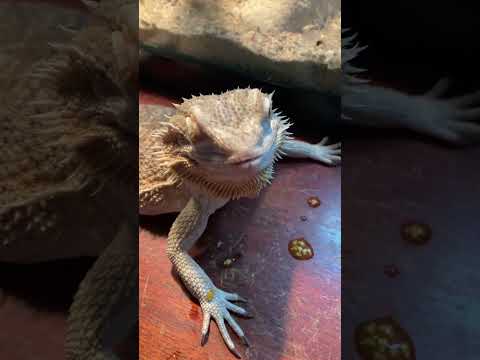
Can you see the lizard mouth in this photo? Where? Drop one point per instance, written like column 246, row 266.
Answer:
column 246, row 161
column 252, row 159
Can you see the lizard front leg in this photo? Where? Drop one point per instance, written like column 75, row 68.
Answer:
column 327, row 154
column 187, row 228
column 105, row 307
column 454, row 120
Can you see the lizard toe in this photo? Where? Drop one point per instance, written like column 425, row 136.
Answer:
column 219, row 307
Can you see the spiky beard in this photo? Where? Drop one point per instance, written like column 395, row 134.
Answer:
column 185, row 172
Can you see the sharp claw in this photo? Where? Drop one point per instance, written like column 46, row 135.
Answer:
column 242, row 299
column 204, row 338
column 245, row 341
column 248, row 316
column 236, row 353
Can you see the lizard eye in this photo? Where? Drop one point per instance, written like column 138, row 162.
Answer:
column 175, row 138
column 181, row 141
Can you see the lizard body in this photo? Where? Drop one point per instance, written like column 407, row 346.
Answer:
column 69, row 148
column 195, row 159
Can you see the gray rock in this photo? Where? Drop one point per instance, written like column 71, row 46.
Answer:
column 290, row 43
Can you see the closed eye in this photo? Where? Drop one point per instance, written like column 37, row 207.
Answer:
column 209, row 157
column 208, row 152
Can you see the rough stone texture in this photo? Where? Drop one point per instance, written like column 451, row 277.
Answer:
column 286, row 42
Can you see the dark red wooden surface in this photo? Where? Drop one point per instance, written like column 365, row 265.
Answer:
column 434, row 296
column 390, row 179
column 34, row 302
column 27, row 333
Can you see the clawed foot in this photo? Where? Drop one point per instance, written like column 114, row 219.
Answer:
column 218, row 305
column 454, row 120
column 327, row 154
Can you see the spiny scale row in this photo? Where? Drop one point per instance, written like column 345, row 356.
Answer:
column 232, row 190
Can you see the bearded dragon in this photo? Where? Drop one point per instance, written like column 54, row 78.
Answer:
column 68, row 170
column 196, row 158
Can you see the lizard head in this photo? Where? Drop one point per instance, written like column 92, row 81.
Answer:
column 232, row 138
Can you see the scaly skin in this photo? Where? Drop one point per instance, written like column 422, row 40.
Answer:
column 211, row 137
column 105, row 307
column 69, row 149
